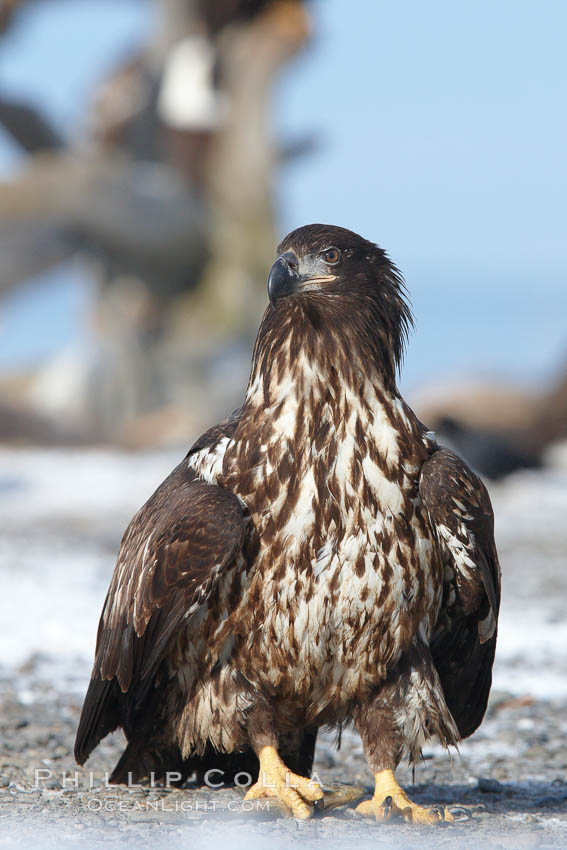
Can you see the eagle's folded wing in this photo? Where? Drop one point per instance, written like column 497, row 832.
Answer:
column 464, row 639
column 171, row 557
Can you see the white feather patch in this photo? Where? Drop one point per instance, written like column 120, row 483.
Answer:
column 324, row 557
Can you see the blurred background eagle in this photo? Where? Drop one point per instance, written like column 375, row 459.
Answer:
column 315, row 559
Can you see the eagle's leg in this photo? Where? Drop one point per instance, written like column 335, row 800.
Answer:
column 298, row 793
column 383, row 743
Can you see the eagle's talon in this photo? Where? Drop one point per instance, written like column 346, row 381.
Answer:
column 298, row 793
column 339, row 795
column 391, row 800
column 460, row 813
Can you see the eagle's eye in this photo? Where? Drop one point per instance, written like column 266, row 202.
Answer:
column 332, row 255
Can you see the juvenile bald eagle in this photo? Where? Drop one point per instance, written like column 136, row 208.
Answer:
column 315, row 559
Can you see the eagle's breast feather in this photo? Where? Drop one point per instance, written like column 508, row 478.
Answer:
column 346, row 570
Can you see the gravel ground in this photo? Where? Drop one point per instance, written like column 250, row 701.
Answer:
column 509, row 780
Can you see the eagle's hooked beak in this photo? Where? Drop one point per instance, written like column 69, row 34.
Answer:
column 286, row 277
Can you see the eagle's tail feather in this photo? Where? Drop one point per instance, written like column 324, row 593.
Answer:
column 464, row 665
column 141, row 758
column 130, row 767
column 139, row 762
column 99, row 717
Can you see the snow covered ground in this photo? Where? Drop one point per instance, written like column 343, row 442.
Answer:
column 63, row 514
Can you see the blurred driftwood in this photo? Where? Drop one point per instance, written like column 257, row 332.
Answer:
column 240, row 175
column 137, row 218
column 499, row 429
column 28, row 128
column 176, row 209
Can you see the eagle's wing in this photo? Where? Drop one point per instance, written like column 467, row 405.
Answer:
column 464, row 639
column 171, row 557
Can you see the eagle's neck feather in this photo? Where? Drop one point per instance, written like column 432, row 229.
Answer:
column 308, row 391
column 310, row 357
column 311, row 340
column 320, row 392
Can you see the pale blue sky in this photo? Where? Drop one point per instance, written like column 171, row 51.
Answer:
column 443, row 132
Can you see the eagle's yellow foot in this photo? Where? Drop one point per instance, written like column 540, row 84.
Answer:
column 276, row 780
column 390, row 799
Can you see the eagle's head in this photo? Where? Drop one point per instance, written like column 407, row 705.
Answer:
column 344, row 288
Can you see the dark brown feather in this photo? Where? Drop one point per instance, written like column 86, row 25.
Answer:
column 464, row 641
column 172, row 553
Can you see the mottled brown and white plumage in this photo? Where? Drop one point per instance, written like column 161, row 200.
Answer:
column 315, row 559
